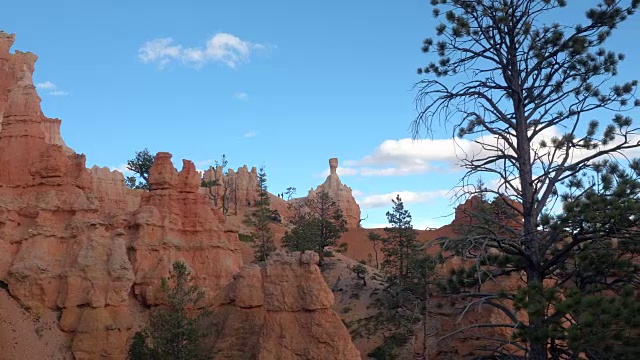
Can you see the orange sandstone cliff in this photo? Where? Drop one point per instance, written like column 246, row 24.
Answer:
column 76, row 245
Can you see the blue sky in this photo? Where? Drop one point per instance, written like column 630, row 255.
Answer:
column 282, row 83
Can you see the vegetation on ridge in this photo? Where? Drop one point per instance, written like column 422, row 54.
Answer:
column 140, row 165
column 318, row 224
column 177, row 330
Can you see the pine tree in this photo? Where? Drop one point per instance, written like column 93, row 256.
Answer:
column 410, row 274
column 505, row 74
column 590, row 287
column 178, row 330
column 400, row 245
column 140, row 165
column 290, row 192
column 260, row 219
column 375, row 240
column 595, row 304
column 361, row 272
column 328, row 220
column 139, row 349
column 317, row 228
column 303, row 237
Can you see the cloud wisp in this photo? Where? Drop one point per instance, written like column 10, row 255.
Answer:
column 249, row 134
column 51, row 89
column 47, row 85
column 408, row 197
column 223, row 48
column 243, row 96
column 58, row 93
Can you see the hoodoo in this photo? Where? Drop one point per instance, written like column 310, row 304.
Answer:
column 341, row 193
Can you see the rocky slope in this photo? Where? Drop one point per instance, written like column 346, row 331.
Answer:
column 77, row 245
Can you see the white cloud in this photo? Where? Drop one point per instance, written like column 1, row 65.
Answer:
column 408, row 197
column 47, row 85
column 58, row 93
column 222, row 48
column 410, row 157
column 241, row 95
column 249, row 134
column 422, row 224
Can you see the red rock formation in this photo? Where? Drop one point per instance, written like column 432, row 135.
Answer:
column 270, row 299
column 341, row 193
column 504, row 208
column 21, row 119
column 77, row 242
column 112, row 193
column 175, row 222
column 242, row 192
column 242, row 185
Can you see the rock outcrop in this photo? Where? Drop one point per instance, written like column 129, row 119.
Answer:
column 241, row 185
column 270, row 299
column 241, row 192
column 341, row 193
column 78, row 243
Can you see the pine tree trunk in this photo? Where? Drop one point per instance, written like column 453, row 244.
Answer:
column 425, row 322
column 530, row 240
column 375, row 250
column 537, row 342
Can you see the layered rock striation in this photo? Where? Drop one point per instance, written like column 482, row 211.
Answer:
column 78, row 243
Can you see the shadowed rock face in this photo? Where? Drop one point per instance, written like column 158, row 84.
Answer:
column 78, row 242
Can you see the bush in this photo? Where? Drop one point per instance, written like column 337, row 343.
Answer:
column 382, row 352
column 275, row 216
column 174, row 332
column 342, row 248
column 245, row 238
column 387, row 350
